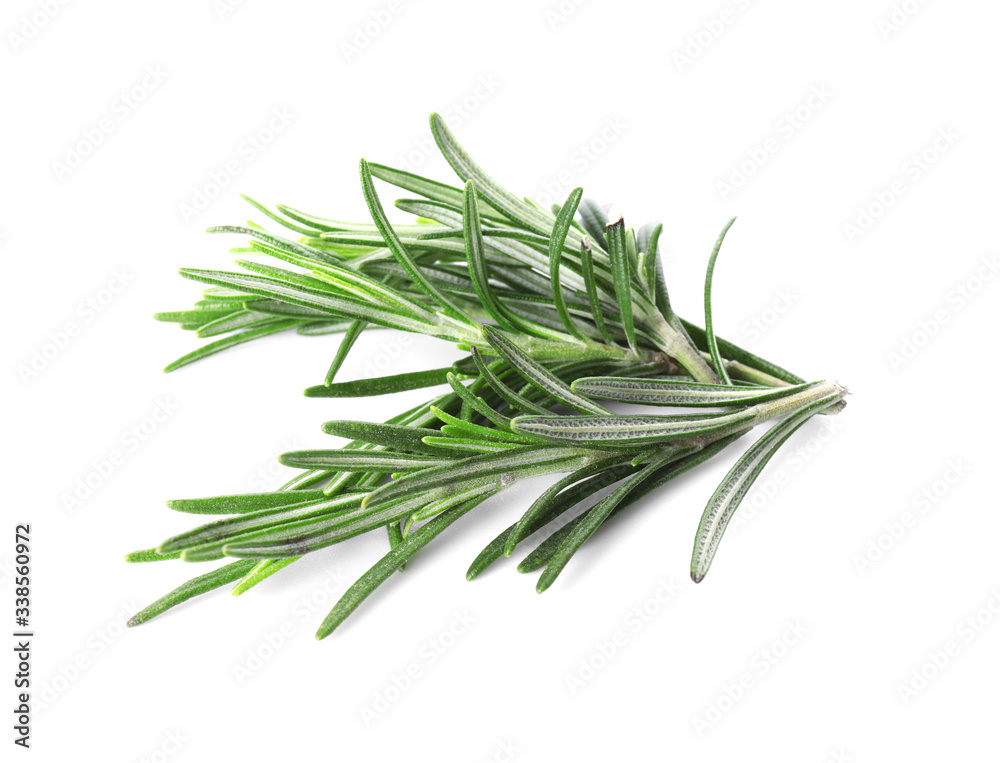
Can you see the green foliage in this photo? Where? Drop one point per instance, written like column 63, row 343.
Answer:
column 556, row 312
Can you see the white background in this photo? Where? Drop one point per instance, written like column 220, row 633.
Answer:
column 694, row 94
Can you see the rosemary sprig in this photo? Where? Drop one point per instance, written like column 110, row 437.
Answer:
column 556, row 312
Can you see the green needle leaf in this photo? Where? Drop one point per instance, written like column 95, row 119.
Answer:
column 509, row 396
column 541, row 504
column 564, row 221
column 632, row 257
column 561, row 503
column 197, row 317
column 713, row 347
column 474, row 252
column 595, row 222
column 389, row 563
column 590, row 283
column 629, row 431
column 735, row 485
column 411, row 492
column 350, row 337
column 431, row 189
column 498, row 196
column 231, row 341
column 150, row 555
column 658, row 472
column 439, row 507
column 399, row 251
column 394, row 436
column 459, row 427
column 479, row 405
column 358, row 460
column 649, row 237
column 307, row 296
column 264, row 569
column 538, row 375
column 283, row 221
column 275, row 242
column 381, row 385
column 736, row 352
column 678, row 393
column 527, row 461
column 621, row 272
column 216, row 533
column 241, row 319
column 547, row 548
column 469, row 444
column 244, row 504
column 194, row 587
column 592, row 519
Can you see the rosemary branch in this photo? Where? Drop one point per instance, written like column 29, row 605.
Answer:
column 557, row 309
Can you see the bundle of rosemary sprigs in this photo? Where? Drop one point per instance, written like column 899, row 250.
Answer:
column 560, row 312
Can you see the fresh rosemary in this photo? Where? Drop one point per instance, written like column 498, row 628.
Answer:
column 562, row 314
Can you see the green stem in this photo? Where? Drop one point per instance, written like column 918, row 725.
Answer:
column 678, row 348
column 748, row 373
column 793, row 403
